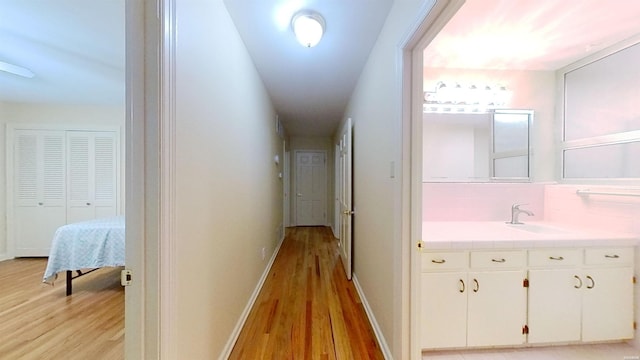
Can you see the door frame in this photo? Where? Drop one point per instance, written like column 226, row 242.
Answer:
column 429, row 25
column 294, row 200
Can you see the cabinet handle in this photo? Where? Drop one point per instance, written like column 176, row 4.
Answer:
column 476, row 286
column 593, row 283
column 614, row 256
column 498, row 260
column 441, row 261
column 579, row 282
column 560, row 258
column 462, row 288
column 88, row 204
column 40, row 203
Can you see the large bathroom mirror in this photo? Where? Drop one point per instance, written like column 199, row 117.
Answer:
column 476, row 147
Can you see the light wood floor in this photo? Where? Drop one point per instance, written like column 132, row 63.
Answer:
column 37, row 321
column 307, row 309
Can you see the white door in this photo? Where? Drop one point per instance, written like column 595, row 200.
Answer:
column 92, row 175
column 311, row 188
column 346, row 199
column 39, row 195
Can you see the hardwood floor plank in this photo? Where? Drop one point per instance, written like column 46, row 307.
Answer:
column 307, row 309
column 38, row 321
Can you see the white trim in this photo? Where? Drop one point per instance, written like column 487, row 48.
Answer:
column 226, row 352
column 384, row 347
column 430, row 21
column 166, row 217
column 5, row 256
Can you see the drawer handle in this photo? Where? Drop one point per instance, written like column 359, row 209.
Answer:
column 593, row 283
column 559, row 258
column 498, row 260
column 462, row 288
column 441, row 261
column 476, row 286
column 614, row 256
column 579, row 282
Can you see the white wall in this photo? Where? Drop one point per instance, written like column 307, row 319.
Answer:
column 228, row 198
column 49, row 114
column 531, row 90
column 375, row 108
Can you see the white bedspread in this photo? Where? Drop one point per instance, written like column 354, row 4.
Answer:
column 86, row 245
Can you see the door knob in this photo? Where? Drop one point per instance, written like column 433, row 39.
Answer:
column 300, row 195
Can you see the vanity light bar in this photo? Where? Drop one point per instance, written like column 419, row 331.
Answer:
column 453, row 97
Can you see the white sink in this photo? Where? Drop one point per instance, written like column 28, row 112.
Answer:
column 536, row 228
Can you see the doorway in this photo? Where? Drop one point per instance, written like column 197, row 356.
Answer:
column 311, row 188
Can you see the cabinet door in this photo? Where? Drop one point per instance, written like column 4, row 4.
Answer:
column 497, row 308
column 555, row 304
column 443, row 318
column 607, row 312
column 38, row 190
column 92, row 175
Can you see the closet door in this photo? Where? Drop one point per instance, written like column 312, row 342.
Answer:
column 92, row 175
column 38, row 191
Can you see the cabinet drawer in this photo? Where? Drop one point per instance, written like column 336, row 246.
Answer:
column 498, row 259
column 606, row 256
column 444, row 260
column 555, row 257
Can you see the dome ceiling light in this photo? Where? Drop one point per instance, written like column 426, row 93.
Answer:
column 308, row 26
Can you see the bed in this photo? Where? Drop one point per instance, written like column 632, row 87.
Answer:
column 85, row 246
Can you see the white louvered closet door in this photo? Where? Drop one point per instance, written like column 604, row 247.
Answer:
column 39, row 190
column 91, row 175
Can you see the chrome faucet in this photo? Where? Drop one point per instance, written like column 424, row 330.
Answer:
column 515, row 211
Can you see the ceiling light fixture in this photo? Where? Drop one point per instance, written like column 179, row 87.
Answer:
column 308, row 27
column 16, row 70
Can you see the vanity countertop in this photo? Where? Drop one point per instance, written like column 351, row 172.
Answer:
column 442, row 235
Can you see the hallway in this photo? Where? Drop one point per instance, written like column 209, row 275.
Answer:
column 307, row 309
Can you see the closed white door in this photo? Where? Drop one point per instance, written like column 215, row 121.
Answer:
column 346, row 199
column 92, row 175
column 311, row 188
column 39, row 190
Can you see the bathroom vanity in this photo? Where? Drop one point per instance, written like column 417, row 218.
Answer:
column 486, row 284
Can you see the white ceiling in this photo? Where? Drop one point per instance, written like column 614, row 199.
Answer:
column 310, row 87
column 531, row 34
column 76, row 47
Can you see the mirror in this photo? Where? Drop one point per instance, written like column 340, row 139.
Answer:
column 476, row 147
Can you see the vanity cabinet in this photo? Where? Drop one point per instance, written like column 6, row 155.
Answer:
column 555, row 295
column 576, row 299
column 473, row 298
column 607, row 304
column 506, row 298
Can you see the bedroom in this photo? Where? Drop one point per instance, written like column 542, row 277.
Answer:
column 75, row 88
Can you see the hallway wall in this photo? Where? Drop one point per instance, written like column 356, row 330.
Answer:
column 228, row 197
column 375, row 108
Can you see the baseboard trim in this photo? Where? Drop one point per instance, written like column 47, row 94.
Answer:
column 386, row 352
column 245, row 313
column 4, row 257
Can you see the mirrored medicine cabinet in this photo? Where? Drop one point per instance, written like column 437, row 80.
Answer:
column 477, row 147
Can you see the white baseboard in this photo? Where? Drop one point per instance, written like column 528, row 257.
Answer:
column 245, row 314
column 384, row 347
column 5, row 256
